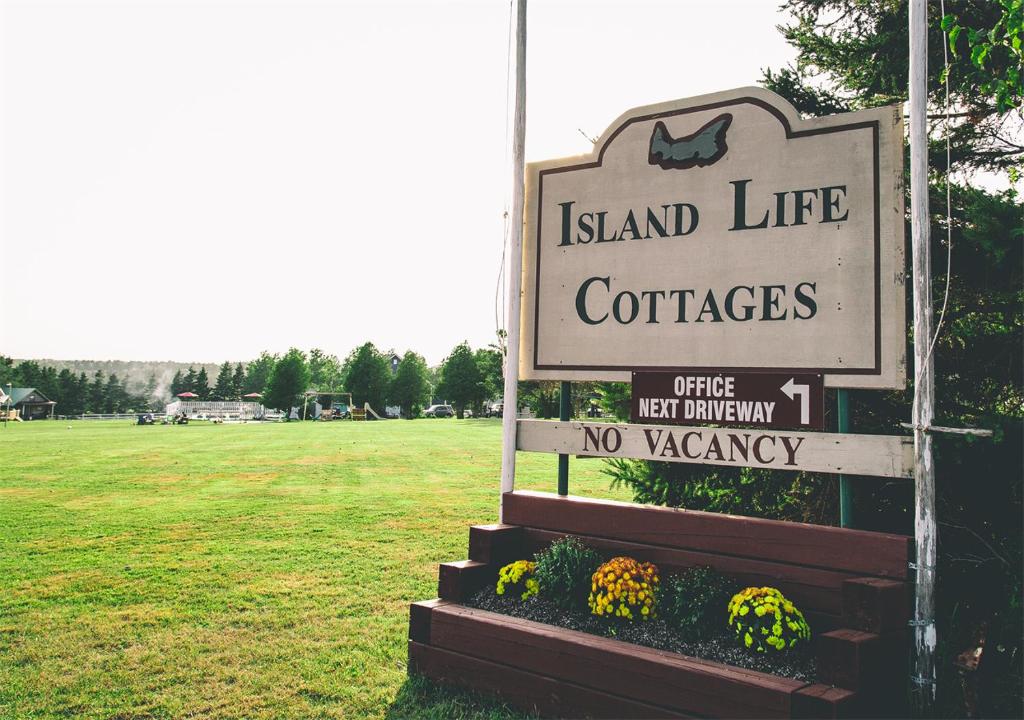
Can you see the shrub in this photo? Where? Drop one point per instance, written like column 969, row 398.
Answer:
column 624, row 588
column 692, row 601
column 764, row 619
column 564, row 572
column 738, row 491
column 517, row 577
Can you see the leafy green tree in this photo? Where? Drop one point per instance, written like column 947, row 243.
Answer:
column 367, row 376
column 409, row 385
column 433, row 382
column 540, row 395
column 257, row 373
column 324, row 370
column 995, row 51
column 202, row 384
column 461, row 380
column 222, row 389
column 490, row 360
column 288, row 380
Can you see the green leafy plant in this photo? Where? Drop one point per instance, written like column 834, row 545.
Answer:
column 624, row 588
column 996, row 52
column 517, row 577
column 692, row 601
column 564, row 571
column 763, row 619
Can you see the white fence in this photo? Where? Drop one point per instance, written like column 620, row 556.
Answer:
column 111, row 416
column 225, row 409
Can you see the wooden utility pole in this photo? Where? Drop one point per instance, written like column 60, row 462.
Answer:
column 515, row 264
column 923, row 666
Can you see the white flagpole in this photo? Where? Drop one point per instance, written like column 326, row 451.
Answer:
column 515, row 266
column 923, row 667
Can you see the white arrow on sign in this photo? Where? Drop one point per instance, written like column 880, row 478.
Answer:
column 804, row 391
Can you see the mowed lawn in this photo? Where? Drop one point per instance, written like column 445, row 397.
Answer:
column 257, row 571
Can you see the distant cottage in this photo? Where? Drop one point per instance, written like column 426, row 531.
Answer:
column 29, row 404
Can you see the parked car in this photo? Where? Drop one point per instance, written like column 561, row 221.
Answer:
column 439, row 411
column 493, row 409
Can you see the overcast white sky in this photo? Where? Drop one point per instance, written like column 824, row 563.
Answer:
column 200, row 181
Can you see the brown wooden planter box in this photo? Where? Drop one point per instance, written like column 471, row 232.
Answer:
column 852, row 586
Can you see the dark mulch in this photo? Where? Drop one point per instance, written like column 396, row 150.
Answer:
column 797, row 664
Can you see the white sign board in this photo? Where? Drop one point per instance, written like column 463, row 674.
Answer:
column 875, row 455
column 720, row 233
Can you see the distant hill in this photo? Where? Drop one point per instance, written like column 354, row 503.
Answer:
column 135, row 373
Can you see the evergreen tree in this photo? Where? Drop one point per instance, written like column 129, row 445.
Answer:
column 113, row 395
column 409, row 385
column 222, row 388
column 202, row 384
column 67, row 397
column 238, row 382
column 461, row 380
column 188, row 383
column 149, row 391
column 177, row 384
column 82, row 393
column 367, row 377
column 30, row 374
column 288, row 380
column 96, row 393
column 9, row 375
column 47, row 382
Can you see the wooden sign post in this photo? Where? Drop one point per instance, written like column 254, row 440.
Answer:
column 510, row 407
column 925, row 641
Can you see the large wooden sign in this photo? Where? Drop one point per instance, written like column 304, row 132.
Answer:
column 720, row 233
column 877, row 455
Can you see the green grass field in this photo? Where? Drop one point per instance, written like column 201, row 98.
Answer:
column 257, row 571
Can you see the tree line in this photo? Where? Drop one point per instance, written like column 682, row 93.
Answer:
column 76, row 393
column 466, row 379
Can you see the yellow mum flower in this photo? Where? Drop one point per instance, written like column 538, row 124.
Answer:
column 775, row 623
